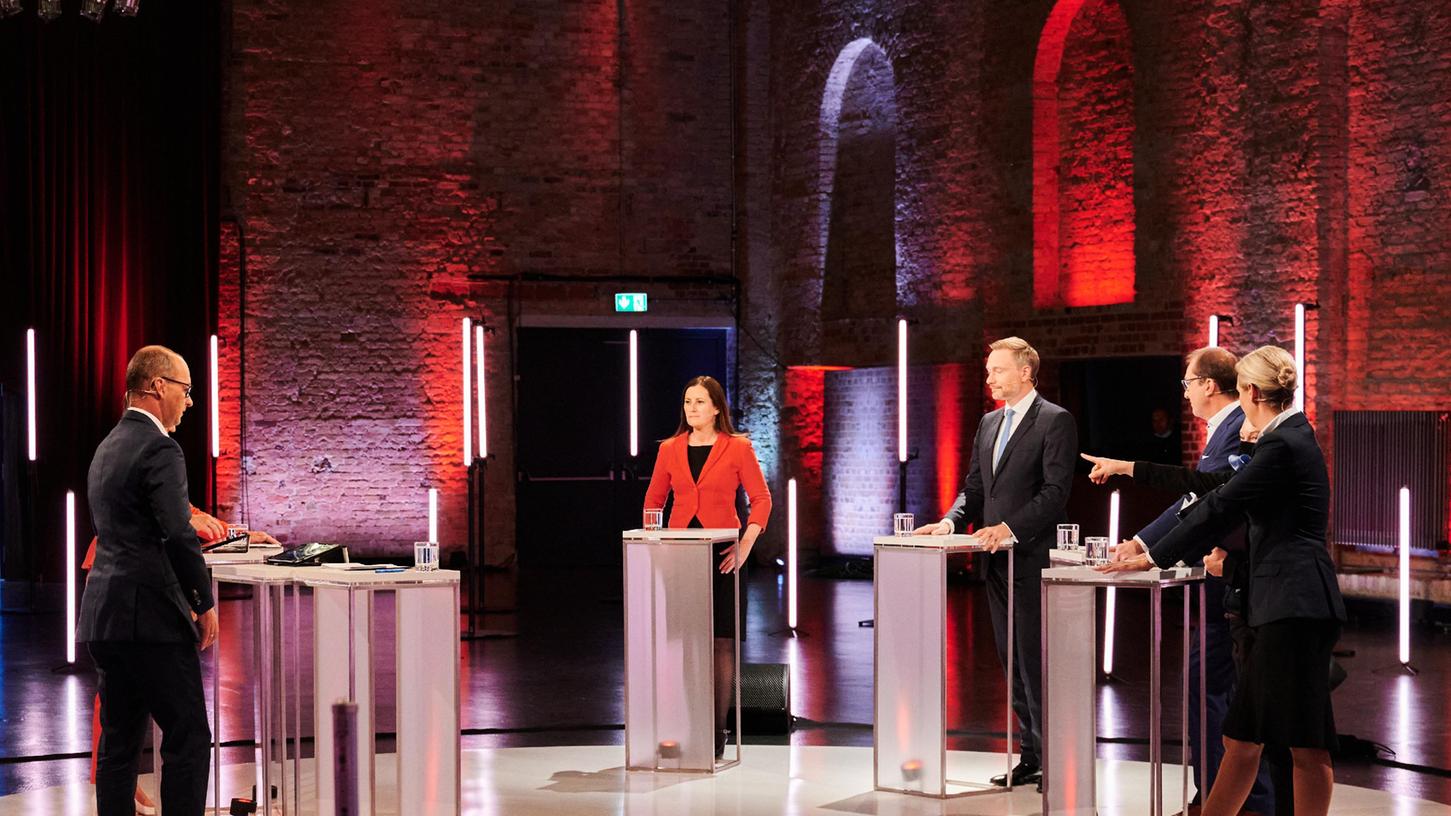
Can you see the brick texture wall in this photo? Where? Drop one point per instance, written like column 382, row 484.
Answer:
column 397, row 166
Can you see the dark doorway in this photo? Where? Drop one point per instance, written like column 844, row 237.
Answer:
column 1114, row 401
column 578, row 485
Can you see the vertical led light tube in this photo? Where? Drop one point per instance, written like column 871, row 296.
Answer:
column 1405, row 577
column 30, row 389
column 634, row 393
column 1213, row 331
column 791, row 553
column 433, row 514
column 901, row 390
column 483, row 415
column 1109, row 599
column 468, row 395
column 70, row 576
column 216, row 411
column 1300, row 356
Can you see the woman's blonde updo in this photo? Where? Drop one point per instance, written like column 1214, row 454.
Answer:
column 1271, row 369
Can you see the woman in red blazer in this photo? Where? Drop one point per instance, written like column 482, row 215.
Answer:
column 703, row 466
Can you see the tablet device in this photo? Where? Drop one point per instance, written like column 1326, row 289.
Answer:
column 237, row 543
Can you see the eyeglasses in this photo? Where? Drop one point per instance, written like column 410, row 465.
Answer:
column 1185, row 383
column 185, row 385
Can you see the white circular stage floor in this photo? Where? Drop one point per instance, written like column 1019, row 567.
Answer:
column 772, row 779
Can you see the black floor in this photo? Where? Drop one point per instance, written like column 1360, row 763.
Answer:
column 559, row 679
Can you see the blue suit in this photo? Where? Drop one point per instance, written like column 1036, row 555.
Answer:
column 1218, row 643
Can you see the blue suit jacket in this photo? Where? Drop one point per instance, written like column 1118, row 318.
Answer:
column 1223, row 444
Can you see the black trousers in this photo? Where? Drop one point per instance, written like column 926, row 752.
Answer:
column 1027, row 647
column 160, row 681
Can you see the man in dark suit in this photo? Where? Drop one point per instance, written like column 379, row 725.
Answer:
column 1016, row 492
column 1210, row 387
column 148, row 581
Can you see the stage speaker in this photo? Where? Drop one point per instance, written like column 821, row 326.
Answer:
column 765, row 699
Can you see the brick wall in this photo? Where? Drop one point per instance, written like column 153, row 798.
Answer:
column 400, row 165
column 394, row 164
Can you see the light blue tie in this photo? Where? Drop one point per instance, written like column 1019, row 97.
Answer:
column 1003, row 443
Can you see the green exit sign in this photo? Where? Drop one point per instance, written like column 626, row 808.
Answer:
column 631, row 302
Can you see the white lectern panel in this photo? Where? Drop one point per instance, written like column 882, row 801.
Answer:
column 1069, row 749
column 669, row 669
column 428, row 740
column 910, row 640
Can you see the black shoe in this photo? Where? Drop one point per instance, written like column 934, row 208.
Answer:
column 1023, row 773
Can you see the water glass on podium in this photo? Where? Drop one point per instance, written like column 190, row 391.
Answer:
column 1068, row 537
column 1097, row 550
column 903, row 524
column 654, row 518
column 425, row 556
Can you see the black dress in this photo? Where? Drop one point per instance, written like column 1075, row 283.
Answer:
column 722, row 589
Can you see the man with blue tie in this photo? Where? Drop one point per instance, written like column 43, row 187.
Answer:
column 1210, row 385
column 1016, row 491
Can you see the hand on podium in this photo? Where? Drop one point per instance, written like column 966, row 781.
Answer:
column 943, row 527
column 994, row 537
column 1126, row 549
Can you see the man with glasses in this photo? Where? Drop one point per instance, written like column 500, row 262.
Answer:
column 148, row 580
column 1211, row 387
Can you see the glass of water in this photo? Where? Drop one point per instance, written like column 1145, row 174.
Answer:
column 654, row 518
column 903, row 524
column 425, row 555
column 1097, row 550
column 1068, row 537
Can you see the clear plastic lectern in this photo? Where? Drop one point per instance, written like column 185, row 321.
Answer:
column 670, row 650
column 909, row 738
column 1070, row 673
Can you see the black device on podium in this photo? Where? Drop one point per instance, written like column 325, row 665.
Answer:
column 310, row 555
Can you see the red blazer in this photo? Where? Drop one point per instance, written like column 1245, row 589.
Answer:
column 732, row 464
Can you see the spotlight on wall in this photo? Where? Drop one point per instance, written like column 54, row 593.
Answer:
column 9, row 8
column 47, row 10
column 127, row 8
column 93, row 10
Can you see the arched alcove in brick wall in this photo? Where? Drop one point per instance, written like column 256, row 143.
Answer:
column 858, row 178
column 1083, row 157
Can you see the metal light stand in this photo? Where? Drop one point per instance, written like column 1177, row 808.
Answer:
column 474, row 554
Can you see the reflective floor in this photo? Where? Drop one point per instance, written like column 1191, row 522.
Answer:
column 589, row 781
column 558, row 680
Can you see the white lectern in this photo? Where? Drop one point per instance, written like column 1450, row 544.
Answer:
column 909, row 738
column 670, row 651
column 426, row 604
column 271, row 666
column 1070, row 599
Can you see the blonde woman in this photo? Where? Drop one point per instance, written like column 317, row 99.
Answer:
column 1294, row 607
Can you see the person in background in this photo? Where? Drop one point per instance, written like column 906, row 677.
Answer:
column 703, row 466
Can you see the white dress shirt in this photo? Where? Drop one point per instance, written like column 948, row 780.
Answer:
column 1005, row 431
column 151, row 417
